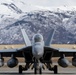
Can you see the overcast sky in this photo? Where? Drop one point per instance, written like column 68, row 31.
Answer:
column 48, row 3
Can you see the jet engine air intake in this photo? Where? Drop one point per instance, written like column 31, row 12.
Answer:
column 63, row 62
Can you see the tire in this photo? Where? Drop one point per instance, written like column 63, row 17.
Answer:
column 35, row 71
column 55, row 69
column 20, row 69
column 40, row 70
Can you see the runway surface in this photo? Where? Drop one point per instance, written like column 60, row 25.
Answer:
column 61, row 71
column 71, row 70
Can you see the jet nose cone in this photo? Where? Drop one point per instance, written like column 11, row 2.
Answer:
column 37, row 52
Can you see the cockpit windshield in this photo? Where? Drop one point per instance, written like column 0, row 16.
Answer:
column 38, row 38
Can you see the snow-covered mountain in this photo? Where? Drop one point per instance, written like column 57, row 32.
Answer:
column 17, row 13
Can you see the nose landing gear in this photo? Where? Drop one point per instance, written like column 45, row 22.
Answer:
column 37, row 70
column 37, row 67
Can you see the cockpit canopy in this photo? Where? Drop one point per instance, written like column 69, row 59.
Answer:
column 38, row 38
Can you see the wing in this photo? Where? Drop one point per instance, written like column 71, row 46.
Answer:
column 66, row 50
column 26, row 39
column 9, row 52
column 17, row 52
column 55, row 52
column 25, row 52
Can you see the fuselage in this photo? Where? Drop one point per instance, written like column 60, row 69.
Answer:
column 38, row 46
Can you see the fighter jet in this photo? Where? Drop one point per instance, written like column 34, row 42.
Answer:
column 37, row 54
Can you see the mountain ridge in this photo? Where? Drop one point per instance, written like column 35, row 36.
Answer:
column 36, row 20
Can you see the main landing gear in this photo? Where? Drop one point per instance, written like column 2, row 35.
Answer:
column 49, row 67
column 23, row 68
column 55, row 69
column 38, row 67
column 20, row 69
column 38, row 70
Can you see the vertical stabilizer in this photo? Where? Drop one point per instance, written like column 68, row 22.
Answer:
column 50, row 38
column 26, row 39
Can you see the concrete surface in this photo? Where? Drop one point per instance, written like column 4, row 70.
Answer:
column 71, row 46
column 14, row 71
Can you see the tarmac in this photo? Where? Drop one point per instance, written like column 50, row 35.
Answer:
column 61, row 71
column 5, row 70
column 14, row 71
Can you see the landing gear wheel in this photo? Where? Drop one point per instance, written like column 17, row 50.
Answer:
column 20, row 69
column 35, row 70
column 40, row 71
column 55, row 69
